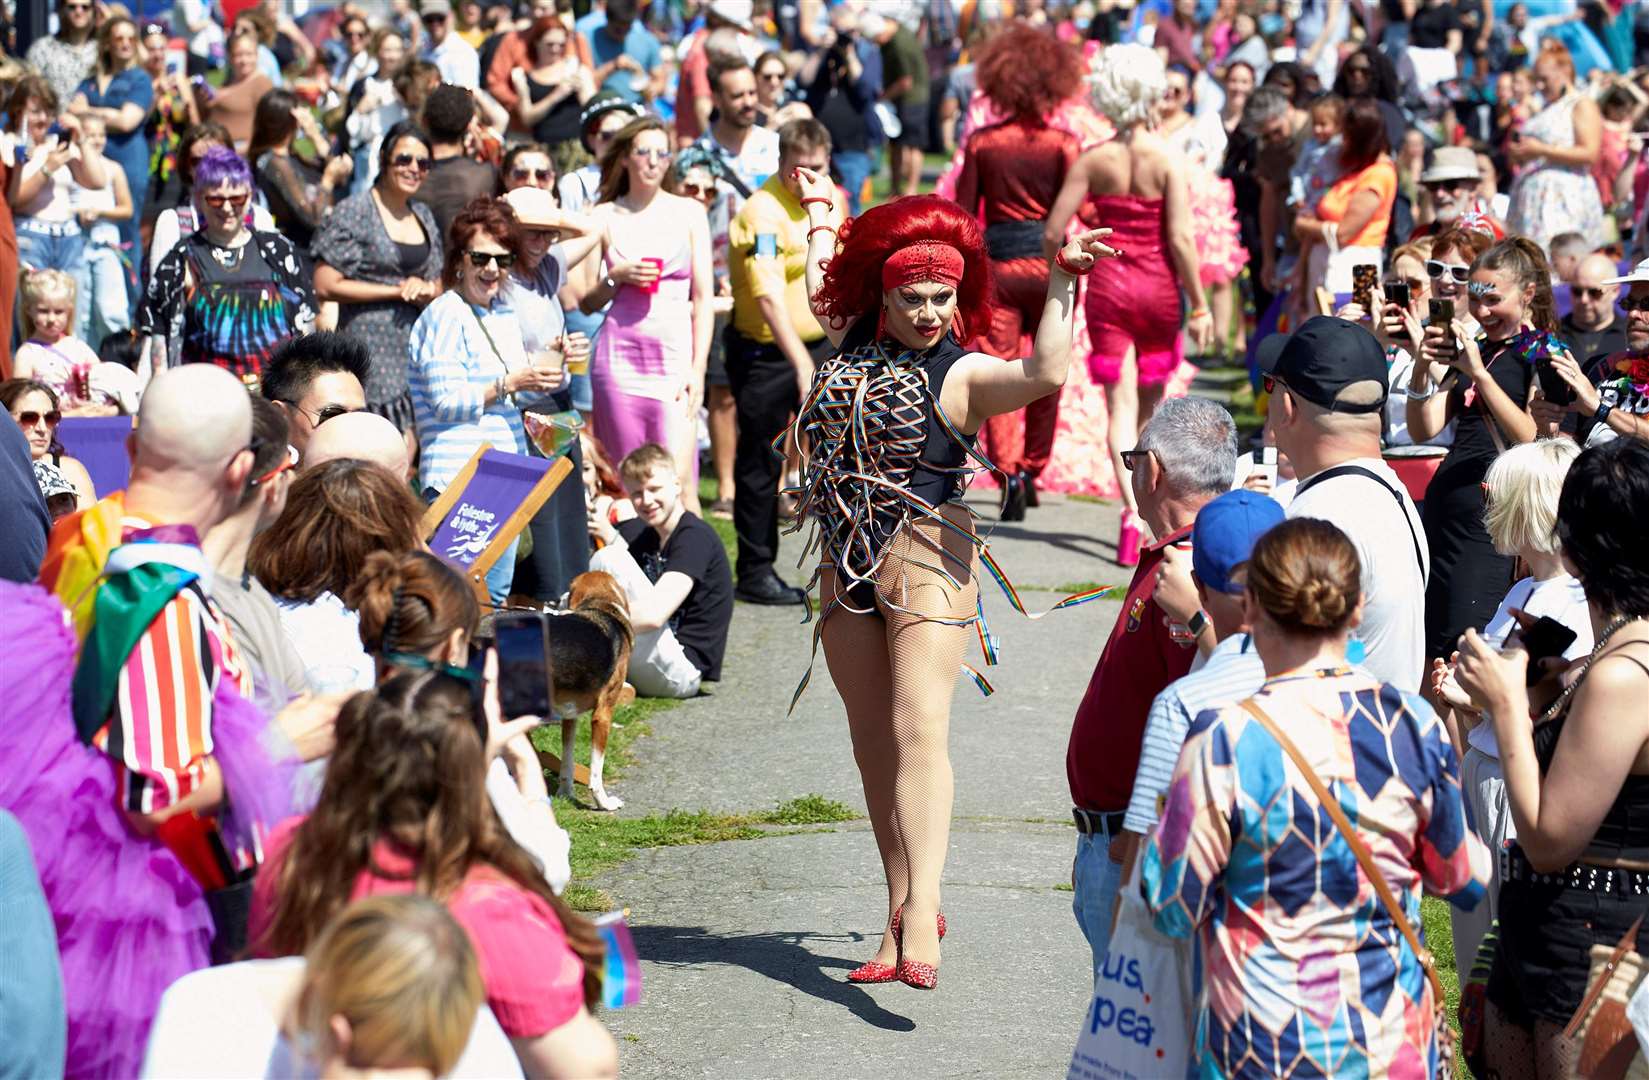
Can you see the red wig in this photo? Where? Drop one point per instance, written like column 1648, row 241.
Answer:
column 1027, row 72
column 852, row 285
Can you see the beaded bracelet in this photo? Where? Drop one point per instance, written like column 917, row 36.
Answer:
column 1059, row 261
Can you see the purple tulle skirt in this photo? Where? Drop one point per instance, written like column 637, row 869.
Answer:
column 130, row 919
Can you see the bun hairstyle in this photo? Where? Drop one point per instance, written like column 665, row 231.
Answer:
column 411, row 602
column 1523, row 259
column 1126, row 84
column 1555, row 52
column 1306, row 575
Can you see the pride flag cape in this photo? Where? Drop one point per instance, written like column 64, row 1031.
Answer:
column 113, row 591
column 621, row 977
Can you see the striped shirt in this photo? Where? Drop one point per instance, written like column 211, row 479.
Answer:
column 451, row 366
column 1233, row 673
column 160, row 730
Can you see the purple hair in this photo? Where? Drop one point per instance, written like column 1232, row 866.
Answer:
column 220, row 166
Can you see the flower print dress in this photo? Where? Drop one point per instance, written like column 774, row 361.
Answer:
column 1549, row 199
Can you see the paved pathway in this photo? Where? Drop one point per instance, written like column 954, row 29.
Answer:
column 745, row 944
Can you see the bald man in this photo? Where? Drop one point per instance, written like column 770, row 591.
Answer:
column 362, row 436
column 1594, row 325
column 191, row 461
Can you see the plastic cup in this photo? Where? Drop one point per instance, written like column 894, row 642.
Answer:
column 658, row 266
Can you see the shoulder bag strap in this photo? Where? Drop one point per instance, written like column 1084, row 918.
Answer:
column 482, row 323
column 1358, row 470
column 1600, row 981
column 1365, row 858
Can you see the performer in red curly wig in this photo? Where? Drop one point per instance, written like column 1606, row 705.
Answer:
column 1011, row 173
column 889, row 425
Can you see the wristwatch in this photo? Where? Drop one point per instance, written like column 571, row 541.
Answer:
column 1603, row 411
column 1197, row 623
column 610, row 283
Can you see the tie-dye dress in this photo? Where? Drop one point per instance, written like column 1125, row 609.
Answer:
column 1301, row 972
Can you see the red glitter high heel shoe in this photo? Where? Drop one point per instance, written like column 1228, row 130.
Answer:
column 872, row 972
column 899, row 912
column 918, row 975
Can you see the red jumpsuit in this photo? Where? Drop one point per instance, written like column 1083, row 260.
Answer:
column 1011, row 174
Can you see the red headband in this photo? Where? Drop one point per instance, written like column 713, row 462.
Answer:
column 925, row 260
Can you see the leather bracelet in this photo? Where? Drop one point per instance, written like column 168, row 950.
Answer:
column 1059, row 261
column 831, row 229
column 809, row 199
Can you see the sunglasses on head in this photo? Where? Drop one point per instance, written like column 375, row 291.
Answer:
column 536, row 175
column 31, row 417
column 410, row 161
column 479, row 259
column 233, row 202
column 287, row 464
column 1459, row 271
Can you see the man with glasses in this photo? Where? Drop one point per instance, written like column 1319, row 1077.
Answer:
column 1327, row 386
column 1452, row 181
column 1611, row 394
column 1186, row 458
column 456, row 58
column 313, row 379
column 1592, row 328
column 455, row 178
column 748, row 154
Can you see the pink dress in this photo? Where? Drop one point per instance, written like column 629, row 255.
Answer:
column 643, row 355
column 1137, row 301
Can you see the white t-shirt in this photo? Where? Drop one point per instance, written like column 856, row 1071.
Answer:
column 1562, row 599
column 225, row 1021
column 1385, row 530
column 327, row 637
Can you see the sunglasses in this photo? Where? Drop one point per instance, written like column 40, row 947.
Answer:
column 321, row 415
column 1131, row 456
column 354, row 33
column 552, row 236
column 1271, row 383
column 431, row 19
column 410, row 161
column 288, row 464
column 1459, row 271
column 1451, row 185
column 1589, row 292
column 1639, row 303
column 650, row 155
column 30, row 418
column 77, row 7
column 479, row 259
column 697, row 191
column 233, row 202
column 610, row 133
column 536, row 175
column 773, row 76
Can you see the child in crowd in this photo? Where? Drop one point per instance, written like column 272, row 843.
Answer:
column 1316, row 169
column 52, row 355
column 675, row 573
column 104, row 305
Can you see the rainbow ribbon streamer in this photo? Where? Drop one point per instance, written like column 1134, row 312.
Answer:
column 621, row 977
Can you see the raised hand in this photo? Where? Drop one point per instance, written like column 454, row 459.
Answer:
column 1084, row 250
column 815, row 185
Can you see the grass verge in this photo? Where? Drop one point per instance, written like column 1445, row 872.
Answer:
column 1439, row 938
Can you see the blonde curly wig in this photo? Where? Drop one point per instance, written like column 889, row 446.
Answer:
column 1126, row 84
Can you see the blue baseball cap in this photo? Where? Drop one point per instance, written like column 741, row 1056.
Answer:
column 1225, row 532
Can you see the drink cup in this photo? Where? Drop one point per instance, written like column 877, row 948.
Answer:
column 658, row 266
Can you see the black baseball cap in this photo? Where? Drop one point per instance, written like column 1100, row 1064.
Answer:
column 1322, row 359
column 600, row 105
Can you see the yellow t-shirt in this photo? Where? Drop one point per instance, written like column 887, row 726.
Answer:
column 767, row 256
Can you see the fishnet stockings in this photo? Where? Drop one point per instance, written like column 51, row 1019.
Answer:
column 897, row 673
column 1516, row 1053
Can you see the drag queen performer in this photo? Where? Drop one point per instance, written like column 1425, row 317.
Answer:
column 1135, row 186
column 1011, row 172
column 890, row 423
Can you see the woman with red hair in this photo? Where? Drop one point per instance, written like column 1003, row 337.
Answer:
column 1012, row 171
column 890, row 424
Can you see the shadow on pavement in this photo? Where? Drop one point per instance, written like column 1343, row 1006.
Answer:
column 782, row 957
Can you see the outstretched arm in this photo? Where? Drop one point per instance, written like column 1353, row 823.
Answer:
column 986, row 386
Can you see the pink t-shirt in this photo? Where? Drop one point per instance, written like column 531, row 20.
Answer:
column 534, row 980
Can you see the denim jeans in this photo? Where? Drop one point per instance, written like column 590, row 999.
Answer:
column 1098, row 881
column 854, row 167
column 51, row 245
column 102, row 306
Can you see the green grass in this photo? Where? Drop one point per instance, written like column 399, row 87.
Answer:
column 723, row 527
column 810, row 810
column 1439, row 938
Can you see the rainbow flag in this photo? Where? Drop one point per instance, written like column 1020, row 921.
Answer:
column 621, row 977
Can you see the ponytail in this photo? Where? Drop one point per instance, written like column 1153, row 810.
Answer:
column 1526, row 262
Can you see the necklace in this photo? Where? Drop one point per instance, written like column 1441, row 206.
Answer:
column 227, row 257
column 1597, row 650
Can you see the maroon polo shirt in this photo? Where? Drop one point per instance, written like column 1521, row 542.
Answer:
column 1139, row 661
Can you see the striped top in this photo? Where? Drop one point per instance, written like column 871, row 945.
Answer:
column 1233, row 673
column 159, row 732
column 450, row 366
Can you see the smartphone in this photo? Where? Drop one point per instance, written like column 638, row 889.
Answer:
column 525, row 686
column 1363, row 280
column 1545, row 639
column 1397, row 292
column 1265, row 464
column 1439, row 312
column 1552, row 386
column 56, row 131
